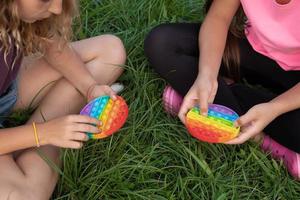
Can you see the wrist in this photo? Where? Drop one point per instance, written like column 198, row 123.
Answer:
column 84, row 86
column 89, row 94
column 42, row 135
column 206, row 71
column 276, row 108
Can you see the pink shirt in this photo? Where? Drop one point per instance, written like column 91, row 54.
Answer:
column 274, row 30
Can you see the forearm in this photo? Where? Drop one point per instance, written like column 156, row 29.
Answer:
column 18, row 138
column 212, row 40
column 288, row 101
column 213, row 35
column 70, row 65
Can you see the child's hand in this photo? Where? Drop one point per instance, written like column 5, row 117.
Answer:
column 202, row 92
column 254, row 121
column 100, row 90
column 68, row 131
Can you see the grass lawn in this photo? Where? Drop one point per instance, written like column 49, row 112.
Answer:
column 153, row 157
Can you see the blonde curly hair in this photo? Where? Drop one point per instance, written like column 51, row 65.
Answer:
column 30, row 38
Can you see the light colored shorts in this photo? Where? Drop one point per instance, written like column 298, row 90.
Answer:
column 7, row 101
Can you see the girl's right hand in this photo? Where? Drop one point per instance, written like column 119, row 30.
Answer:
column 68, row 131
column 202, row 93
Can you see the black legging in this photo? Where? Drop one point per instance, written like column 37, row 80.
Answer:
column 172, row 50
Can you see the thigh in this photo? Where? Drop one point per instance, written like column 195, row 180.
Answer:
column 259, row 69
column 104, row 56
column 29, row 173
column 37, row 77
column 180, row 38
column 9, row 168
column 106, row 47
column 285, row 130
column 172, row 50
column 248, row 96
column 10, row 175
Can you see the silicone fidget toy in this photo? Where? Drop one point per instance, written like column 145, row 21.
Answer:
column 112, row 114
column 217, row 127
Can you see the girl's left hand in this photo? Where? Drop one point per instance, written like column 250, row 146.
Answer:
column 100, row 90
column 254, row 121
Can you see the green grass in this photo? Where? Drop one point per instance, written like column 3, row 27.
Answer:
column 153, row 157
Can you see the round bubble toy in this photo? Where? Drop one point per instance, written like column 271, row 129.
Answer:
column 112, row 114
column 216, row 127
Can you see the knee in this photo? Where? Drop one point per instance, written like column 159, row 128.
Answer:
column 157, row 40
column 159, row 47
column 114, row 49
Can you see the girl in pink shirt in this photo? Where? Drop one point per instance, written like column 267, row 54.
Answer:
column 253, row 40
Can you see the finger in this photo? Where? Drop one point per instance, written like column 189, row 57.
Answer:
column 244, row 136
column 187, row 104
column 86, row 128
column 245, row 119
column 80, row 137
column 110, row 92
column 203, row 103
column 86, row 120
column 240, row 139
column 74, row 145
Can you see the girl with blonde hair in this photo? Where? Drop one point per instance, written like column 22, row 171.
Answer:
column 38, row 62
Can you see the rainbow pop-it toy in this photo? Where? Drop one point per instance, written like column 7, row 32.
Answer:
column 112, row 114
column 216, row 127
